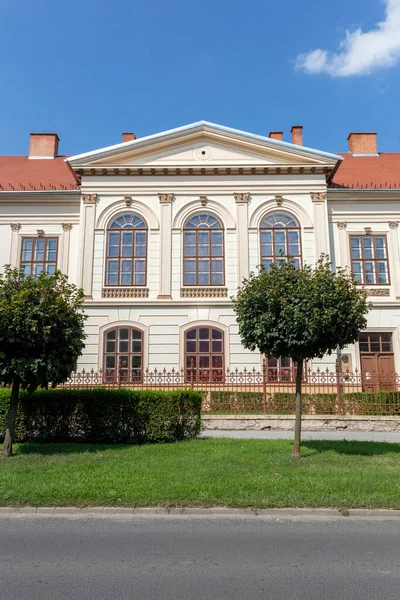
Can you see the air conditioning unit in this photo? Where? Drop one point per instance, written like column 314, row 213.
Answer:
column 346, row 362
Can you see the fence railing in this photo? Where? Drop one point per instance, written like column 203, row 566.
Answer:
column 252, row 391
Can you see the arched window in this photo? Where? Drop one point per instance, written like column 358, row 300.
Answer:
column 204, row 354
column 123, row 355
column 126, row 250
column 203, row 250
column 280, row 238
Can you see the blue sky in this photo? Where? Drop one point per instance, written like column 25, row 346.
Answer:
column 91, row 69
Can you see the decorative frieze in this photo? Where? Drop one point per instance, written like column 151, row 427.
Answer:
column 378, row 292
column 165, row 198
column 89, row 198
column 242, row 198
column 204, row 292
column 318, row 196
column 66, row 226
column 341, row 224
column 393, row 224
column 15, row 226
column 125, row 292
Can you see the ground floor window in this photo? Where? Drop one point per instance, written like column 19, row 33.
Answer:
column 123, row 355
column 281, row 369
column 204, row 354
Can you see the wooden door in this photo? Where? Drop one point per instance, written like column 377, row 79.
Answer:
column 370, row 372
column 387, row 377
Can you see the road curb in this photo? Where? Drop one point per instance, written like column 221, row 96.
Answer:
column 277, row 513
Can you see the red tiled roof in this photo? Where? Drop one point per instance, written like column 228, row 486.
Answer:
column 369, row 172
column 19, row 173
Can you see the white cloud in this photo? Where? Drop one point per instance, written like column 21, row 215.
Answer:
column 360, row 52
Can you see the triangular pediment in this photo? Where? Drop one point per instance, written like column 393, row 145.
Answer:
column 202, row 144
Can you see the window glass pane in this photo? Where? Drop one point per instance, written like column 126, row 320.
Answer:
column 126, row 278
column 191, row 334
column 203, row 250
column 294, row 249
column 217, row 278
column 266, row 250
column 216, row 250
column 37, row 269
column 140, row 278
column 266, row 262
column 216, row 346
column 216, row 265
column 140, row 250
column 50, row 268
column 190, row 237
column 190, row 345
column 140, row 265
column 204, row 346
column 216, row 237
column 266, row 237
column 112, row 278
column 191, row 361
column 217, row 361
column 203, row 237
column 204, row 333
column 203, row 279
column 112, row 265
column 126, row 250
column 126, row 265
column 113, row 250
column 136, row 362
column 189, row 279
column 204, row 362
column 137, row 346
column 110, row 346
column 204, row 265
column 216, row 334
column 26, row 269
column 386, row 337
column 110, row 362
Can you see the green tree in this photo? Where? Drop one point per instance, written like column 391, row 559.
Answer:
column 301, row 313
column 41, row 335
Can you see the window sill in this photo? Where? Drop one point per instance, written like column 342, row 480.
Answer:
column 204, row 292
column 125, row 292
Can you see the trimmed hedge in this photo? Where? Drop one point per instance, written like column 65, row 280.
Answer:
column 100, row 415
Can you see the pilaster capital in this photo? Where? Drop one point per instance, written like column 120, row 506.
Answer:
column 242, row 198
column 318, row 196
column 15, row 226
column 89, row 198
column 341, row 224
column 393, row 224
column 66, row 226
column 165, row 198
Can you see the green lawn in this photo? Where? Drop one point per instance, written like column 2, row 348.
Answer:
column 203, row 472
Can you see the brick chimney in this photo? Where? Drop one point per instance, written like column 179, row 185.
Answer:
column 276, row 135
column 297, row 135
column 128, row 137
column 362, row 143
column 43, row 145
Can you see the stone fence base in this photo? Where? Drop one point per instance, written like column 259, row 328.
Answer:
column 309, row 423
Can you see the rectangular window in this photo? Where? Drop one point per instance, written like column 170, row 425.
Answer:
column 39, row 255
column 369, row 259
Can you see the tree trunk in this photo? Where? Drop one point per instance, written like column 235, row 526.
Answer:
column 297, row 425
column 12, row 414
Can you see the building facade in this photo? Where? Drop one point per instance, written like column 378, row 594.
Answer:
column 160, row 232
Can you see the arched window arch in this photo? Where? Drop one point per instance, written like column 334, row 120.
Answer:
column 204, row 354
column 123, row 354
column 203, row 250
column 126, row 250
column 280, row 238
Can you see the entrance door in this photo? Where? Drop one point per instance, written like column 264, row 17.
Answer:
column 377, row 362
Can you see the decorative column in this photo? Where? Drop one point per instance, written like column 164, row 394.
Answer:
column 242, row 236
column 394, row 256
column 64, row 249
column 320, row 223
column 87, row 242
column 165, row 246
column 15, row 227
column 342, row 258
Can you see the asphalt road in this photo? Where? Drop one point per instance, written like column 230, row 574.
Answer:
column 186, row 558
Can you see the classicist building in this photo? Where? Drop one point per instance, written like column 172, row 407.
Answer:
column 160, row 231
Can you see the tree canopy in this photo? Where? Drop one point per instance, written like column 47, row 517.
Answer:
column 302, row 313
column 41, row 334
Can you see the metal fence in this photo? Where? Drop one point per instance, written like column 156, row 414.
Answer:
column 251, row 391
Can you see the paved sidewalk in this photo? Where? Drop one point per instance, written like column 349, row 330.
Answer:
column 361, row 436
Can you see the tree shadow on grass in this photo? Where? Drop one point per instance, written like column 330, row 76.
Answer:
column 64, row 448
column 352, row 447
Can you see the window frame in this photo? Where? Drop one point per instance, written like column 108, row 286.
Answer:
column 368, row 335
column 117, row 379
column 32, row 262
column 273, row 229
column 196, row 257
column 120, row 257
column 197, row 354
column 362, row 236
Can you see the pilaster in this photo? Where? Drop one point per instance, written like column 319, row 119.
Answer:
column 320, row 214
column 15, row 227
column 64, row 249
column 342, row 256
column 242, row 235
column 87, row 242
column 165, row 245
column 394, row 256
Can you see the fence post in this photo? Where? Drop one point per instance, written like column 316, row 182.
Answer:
column 192, row 373
column 264, row 379
column 338, row 389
